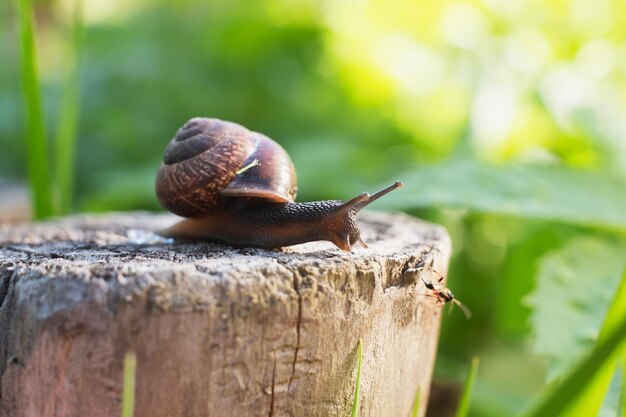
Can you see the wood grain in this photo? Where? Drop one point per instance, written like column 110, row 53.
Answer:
column 217, row 331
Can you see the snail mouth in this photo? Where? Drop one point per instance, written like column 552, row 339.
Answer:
column 345, row 217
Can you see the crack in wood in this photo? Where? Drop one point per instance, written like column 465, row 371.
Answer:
column 7, row 270
column 296, row 286
column 272, row 391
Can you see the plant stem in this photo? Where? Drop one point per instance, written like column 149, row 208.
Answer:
column 36, row 146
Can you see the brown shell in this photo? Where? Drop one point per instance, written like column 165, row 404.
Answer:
column 201, row 163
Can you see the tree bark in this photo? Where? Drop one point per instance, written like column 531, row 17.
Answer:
column 217, row 331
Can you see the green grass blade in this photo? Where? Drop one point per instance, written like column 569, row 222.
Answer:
column 357, row 387
column 36, row 146
column 561, row 395
column 463, row 407
column 128, row 393
column 621, row 407
column 416, row 404
column 68, row 118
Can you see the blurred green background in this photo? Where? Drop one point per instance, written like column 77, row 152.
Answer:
column 505, row 119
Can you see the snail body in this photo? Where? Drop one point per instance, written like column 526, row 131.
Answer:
column 239, row 187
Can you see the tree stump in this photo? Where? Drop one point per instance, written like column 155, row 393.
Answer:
column 217, row 331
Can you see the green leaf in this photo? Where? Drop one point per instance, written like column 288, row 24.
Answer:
column 519, row 269
column 463, row 407
column 591, row 400
column 561, row 394
column 542, row 192
column 574, row 288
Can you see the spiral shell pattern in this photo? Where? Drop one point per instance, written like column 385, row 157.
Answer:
column 200, row 168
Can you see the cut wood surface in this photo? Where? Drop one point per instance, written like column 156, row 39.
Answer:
column 217, row 331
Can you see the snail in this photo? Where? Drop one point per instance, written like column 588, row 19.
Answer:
column 238, row 187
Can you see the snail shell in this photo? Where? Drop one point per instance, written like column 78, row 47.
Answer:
column 201, row 164
column 238, row 187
